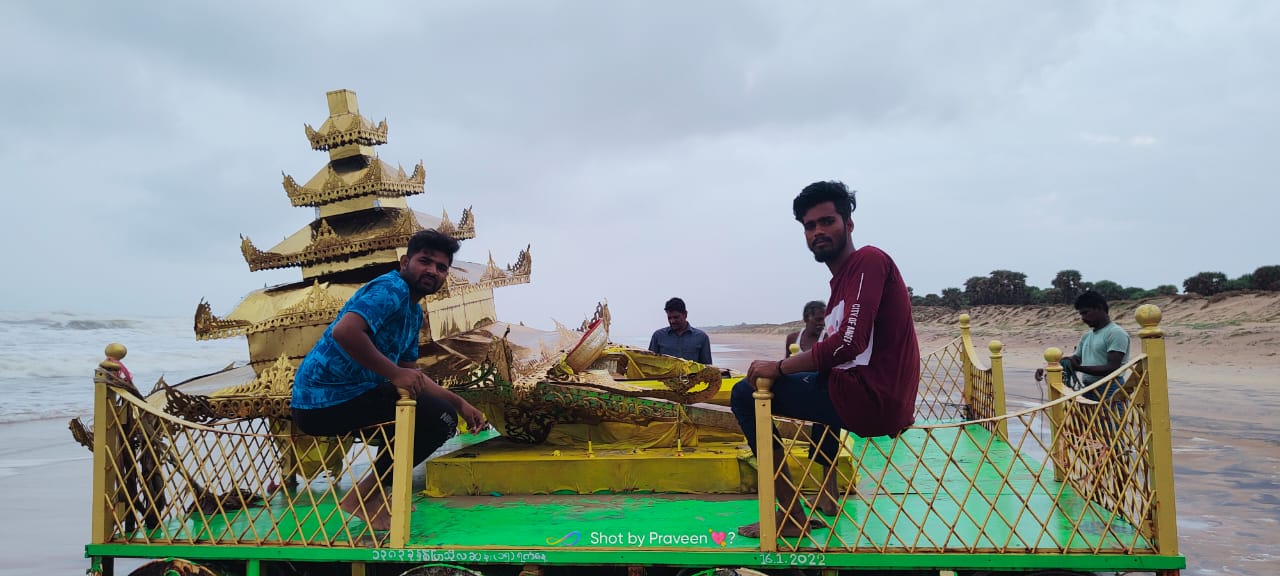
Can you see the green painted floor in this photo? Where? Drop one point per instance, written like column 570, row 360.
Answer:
column 924, row 503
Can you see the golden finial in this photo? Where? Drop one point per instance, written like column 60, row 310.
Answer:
column 964, row 321
column 116, row 351
column 1148, row 317
column 763, row 389
column 1053, row 356
column 995, row 347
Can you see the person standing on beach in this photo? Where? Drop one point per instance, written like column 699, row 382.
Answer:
column 824, row 442
column 679, row 339
column 1102, row 349
column 354, row 375
column 863, row 374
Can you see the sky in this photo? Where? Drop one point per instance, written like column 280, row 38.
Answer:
column 643, row 149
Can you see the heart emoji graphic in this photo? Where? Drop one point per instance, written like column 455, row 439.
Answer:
column 718, row 538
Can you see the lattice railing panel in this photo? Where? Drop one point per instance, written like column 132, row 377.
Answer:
column 1070, row 476
column 171, row 481
column 941, row 393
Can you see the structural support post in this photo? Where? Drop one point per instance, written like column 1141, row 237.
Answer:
column 997, row 387
column 764, row 464
column 1157, row 401
column 967, row 367
column 105, row 446
column 402, row 471
column 1053, row 381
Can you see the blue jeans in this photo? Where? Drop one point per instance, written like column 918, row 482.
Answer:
column 803, row 396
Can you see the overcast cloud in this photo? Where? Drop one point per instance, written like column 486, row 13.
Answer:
column 644, row 149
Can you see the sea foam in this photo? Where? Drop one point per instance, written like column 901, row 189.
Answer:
column 47, row 359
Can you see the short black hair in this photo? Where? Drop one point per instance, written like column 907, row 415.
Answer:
column 431, row 239
column 818, row 305
column 1092, row 299
column 833, row 191
column 675, row 305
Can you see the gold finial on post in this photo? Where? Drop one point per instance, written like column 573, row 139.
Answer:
column 764, row 388
column 996, row 347
column 115, row 352
column 1148, row 317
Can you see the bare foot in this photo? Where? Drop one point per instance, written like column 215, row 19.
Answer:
column 372, row 509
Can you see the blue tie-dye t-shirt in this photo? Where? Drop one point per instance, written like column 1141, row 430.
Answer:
column 329, row 376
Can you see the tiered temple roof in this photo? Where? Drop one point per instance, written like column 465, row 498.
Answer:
column 361, row 228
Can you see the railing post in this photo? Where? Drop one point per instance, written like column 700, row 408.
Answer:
column 103, row 437
column 1157, row 401
column 967, row 367
column 1053, row 381
column 402, row 470
column 106, row 513
column 997, row 387
column 764, row 464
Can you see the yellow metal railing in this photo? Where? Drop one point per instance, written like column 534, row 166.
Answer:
column 957, row 385
column 160, row 479
column 1089, row 472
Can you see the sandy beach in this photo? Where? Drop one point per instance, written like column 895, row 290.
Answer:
column 1223, row 395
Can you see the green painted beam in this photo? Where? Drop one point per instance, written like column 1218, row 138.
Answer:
column 560, row 556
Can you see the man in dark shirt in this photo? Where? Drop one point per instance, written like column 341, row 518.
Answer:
column 862, row 375
column 679, row 339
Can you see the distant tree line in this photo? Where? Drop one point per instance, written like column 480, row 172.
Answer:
column 1009, row 287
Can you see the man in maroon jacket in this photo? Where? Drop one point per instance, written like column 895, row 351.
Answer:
column 863, row 373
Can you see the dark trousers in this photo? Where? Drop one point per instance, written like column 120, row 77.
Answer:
column 802, row 395
column 434, row 422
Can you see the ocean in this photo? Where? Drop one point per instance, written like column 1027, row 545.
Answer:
column 47, row 358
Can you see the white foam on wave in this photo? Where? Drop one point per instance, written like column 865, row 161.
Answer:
column 47, row 359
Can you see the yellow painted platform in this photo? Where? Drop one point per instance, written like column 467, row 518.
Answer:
column 502, row 467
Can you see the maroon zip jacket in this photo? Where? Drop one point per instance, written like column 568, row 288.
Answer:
column 868, row 347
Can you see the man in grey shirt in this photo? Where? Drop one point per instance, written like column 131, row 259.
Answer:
column 679, row 339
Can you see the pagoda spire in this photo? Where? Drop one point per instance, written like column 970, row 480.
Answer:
column 346, row 134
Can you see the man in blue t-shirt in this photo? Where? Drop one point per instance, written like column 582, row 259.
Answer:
column 353, row 376
column 1102, row 350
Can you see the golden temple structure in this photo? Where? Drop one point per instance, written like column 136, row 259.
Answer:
column 361, row 227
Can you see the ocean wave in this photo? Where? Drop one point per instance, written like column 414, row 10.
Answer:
column 66, row 321
column 47, row 359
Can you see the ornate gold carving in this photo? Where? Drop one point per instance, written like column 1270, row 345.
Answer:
column 267, row 395
column 446, row 227
column 210, row 327
column 405, row 225
column 359, row 130
column 323, row 236
column 397, row 236
column 468, row 222
column 275, row 380
column 601, row 314
column 317, row 307
column 372, row 183
column 492, row 271
column 523, row 265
